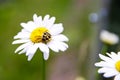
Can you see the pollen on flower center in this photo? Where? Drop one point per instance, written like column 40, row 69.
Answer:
column 40, row 34
column 117, row 65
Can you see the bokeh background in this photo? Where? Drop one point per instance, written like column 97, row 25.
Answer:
column 82, row 20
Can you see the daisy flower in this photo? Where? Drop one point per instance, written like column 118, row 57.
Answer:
column 110, row 66
column 42, row 34
column 108, row 37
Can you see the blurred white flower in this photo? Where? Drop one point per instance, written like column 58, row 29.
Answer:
column 109, row 38
column 80, row 78
column 110, row 65
column 42, row 34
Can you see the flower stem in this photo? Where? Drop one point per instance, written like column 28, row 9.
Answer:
column 43, row 69
column 104, row 48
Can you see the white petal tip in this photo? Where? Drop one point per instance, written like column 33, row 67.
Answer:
column 22, row 24
column 100, row 55
column 29, row 58
column 15, row 52
column 14, row 37
column 67, row 39
column 96, row 64
column 12, row 42
column 47, row 15
column 46, row 56
column 35, row 15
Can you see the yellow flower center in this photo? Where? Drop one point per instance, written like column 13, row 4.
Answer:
column 40, row 34
column 117, row 65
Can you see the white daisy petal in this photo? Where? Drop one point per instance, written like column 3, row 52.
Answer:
column 107, row 69
column 46, row 55
column 114, row 56
column 21, row 47
column 117, row 77
column 102, row 70
column 20, row 41
column 23, row 35
column 107, row 59
column 44, row 48
column 22, row 51
column 104, row 64
column 28, row 45
column 29, row 26
column 56, row 29
column 46, row 18
column 50, row 22
column 46, row 21
column 31, row 51
column 60, row 37
column 56, row 46
column 30, row 56
column 52, row 45
column 26, row 27
column 110, row 74
column 34, row 17
column 37, row 20
column 119, row 53
column 62, row 46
